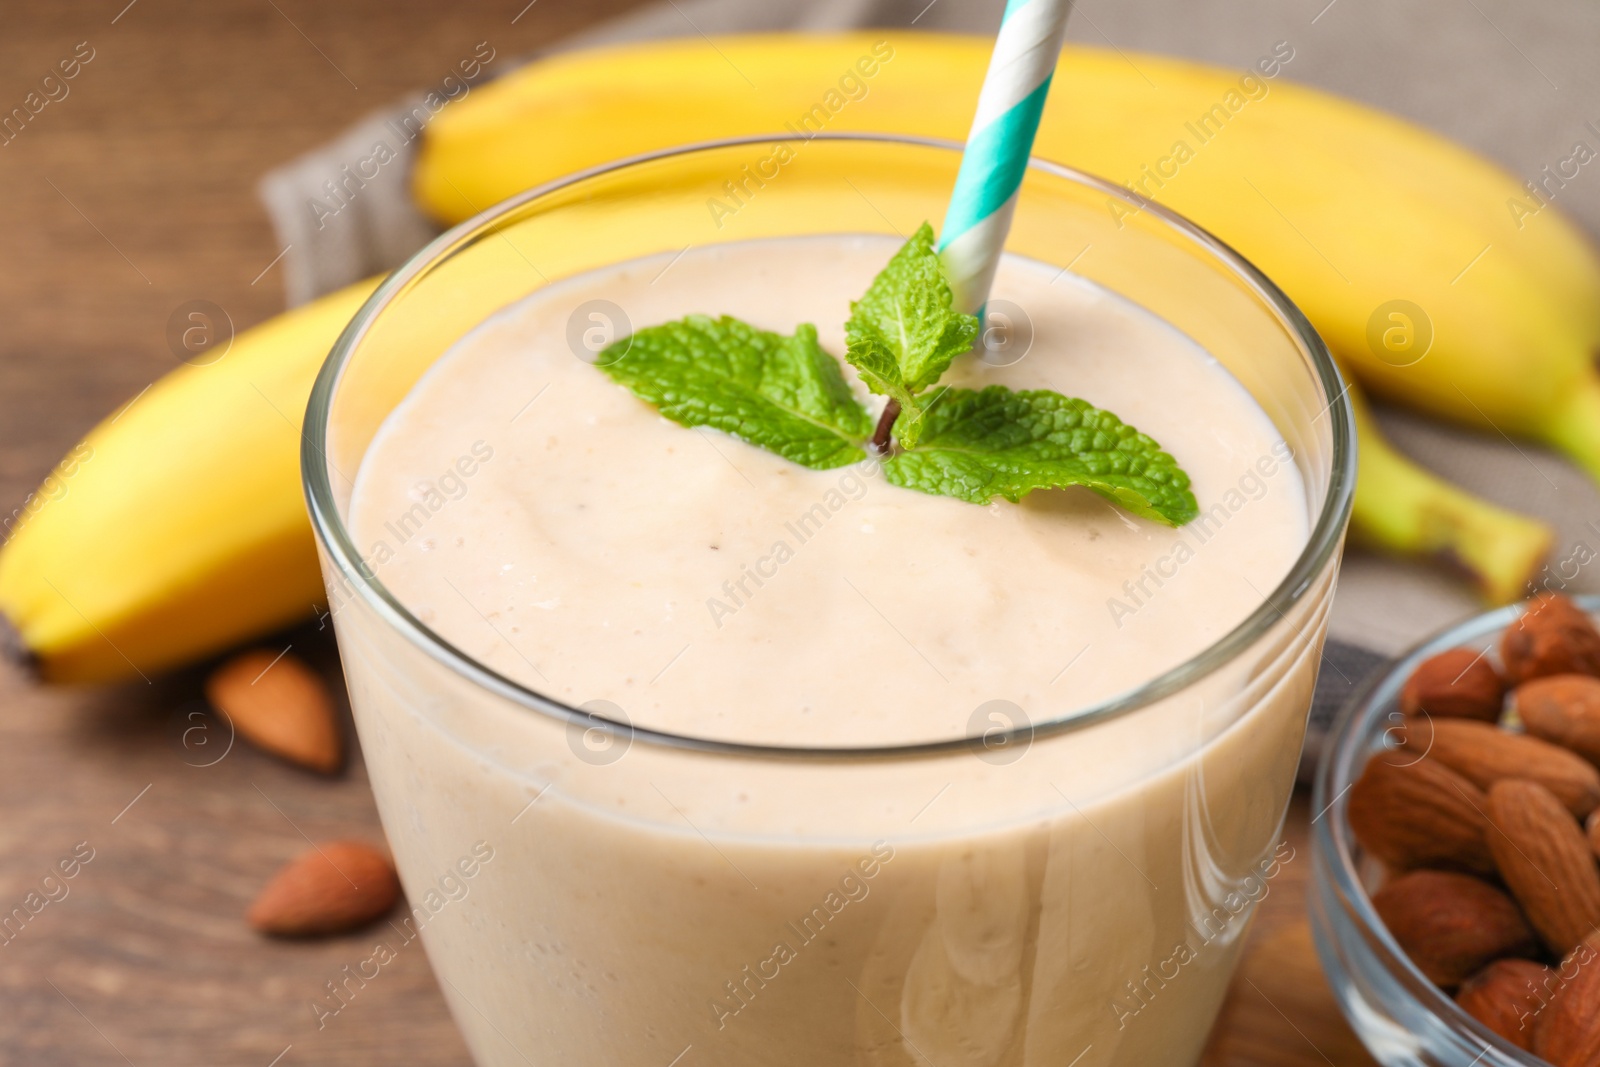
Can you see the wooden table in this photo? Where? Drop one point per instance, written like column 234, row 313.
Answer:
column 129, row 197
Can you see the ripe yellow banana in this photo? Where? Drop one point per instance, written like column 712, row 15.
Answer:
column 180, row 528
column 1428, row 270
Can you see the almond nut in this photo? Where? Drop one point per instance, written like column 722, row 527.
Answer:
column 1553, row 636
column 1545, row 861
column 1452, row 925
column 280, row 705
column 1592, row 831
column 1420, row 814
column 1456, row 684
column 1567, row 1033
column 333, row 887
column 1563, row 709
column 1507, row 996
column 1484, row 754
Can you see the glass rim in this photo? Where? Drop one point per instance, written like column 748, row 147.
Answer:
column 340, row 547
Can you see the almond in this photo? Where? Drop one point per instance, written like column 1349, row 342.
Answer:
column 1507, row 997
column 1545, row 861
column 1553, row 636
column 1563, row 709
column 1452, row 925
column 1420, row 813
column 1457, row 684
column 280, row 705
column 1484, row 754
column 1567, row 1033
column 332, row 887
column 1592, row 831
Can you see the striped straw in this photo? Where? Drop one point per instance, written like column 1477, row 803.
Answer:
column 1009, row 106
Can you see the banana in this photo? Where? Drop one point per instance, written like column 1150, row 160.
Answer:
column 1349, row 210
column 177, row 527
column 1406, row 511
column 181, row 528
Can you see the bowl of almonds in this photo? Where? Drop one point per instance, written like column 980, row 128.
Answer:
column 1456, row 903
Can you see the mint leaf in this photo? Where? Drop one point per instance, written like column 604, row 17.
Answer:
column 977, row 445
column 904, row 332
column 784, row 394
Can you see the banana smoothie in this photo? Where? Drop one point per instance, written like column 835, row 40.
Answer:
column 688, row 889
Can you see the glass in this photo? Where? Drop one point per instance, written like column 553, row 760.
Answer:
column 1404, row 1019
column 1070, row 891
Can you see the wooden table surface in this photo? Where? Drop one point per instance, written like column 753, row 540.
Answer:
column 132, row 195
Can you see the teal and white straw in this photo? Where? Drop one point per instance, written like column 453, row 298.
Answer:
column 1009, row 106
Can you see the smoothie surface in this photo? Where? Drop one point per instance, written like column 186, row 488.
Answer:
column 548, row 523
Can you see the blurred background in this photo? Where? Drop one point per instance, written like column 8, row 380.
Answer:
column 135, row 193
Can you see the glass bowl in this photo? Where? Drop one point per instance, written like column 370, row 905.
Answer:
column 1402, row 1018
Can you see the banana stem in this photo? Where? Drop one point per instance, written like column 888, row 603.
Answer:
column 1408, row 511
column 1574, row 426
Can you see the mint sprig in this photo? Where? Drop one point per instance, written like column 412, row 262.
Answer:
column 787, row 395
column 904, row 333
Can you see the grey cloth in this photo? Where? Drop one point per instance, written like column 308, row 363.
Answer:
column 1516, row 83
column 1344, row 668
column 341, row 213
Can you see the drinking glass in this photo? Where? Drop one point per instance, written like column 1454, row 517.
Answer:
column 1062, row 886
